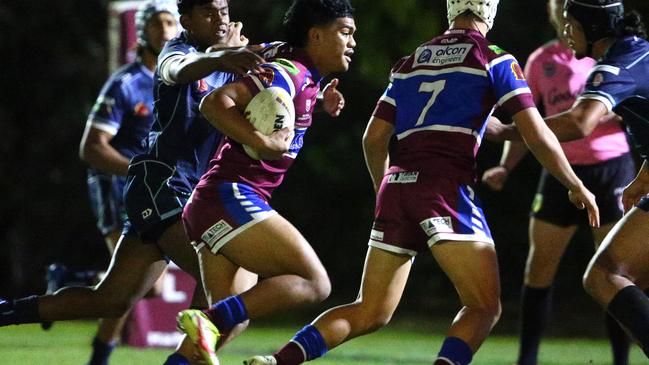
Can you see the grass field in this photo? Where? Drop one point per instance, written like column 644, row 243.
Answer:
column 68, row 344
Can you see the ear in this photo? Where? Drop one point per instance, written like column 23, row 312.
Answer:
column 315, row 35
column 185, row 22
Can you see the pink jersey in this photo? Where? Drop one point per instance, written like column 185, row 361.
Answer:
column 288, row 68
column 556, row 77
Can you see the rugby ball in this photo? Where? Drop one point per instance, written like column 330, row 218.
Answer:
column 270, row 110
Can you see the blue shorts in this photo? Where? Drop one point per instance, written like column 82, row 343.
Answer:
column 107, row 200
column 151, row 204
column 606, row 180
column 415, row 211
column 217, row 213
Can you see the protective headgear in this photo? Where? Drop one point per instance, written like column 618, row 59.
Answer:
column 599, row 18
column 483, row 9
column 144, row 14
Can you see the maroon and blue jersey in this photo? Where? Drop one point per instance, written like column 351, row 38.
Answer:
column 440, row 98
column 621, row 81
column 124, row 109
column 181, row 137
column 292, row 70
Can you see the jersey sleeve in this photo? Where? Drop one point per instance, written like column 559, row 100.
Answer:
column 274, row 74
column 609, row 84
column 509, row 85
column 170, row 56
column 109, row 109
column 386, row 107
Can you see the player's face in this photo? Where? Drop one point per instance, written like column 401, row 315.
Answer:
column 574, row 34
column 208, row 23
column 160, row 29
column 336, row 45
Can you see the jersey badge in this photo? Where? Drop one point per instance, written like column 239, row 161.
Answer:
column 202, row 86
column 141, row 110
column 517, row 71
column 598, row 79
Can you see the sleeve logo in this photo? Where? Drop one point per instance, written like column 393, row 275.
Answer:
column 517, row 71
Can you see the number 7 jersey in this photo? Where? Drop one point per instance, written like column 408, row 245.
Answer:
column 440, row 98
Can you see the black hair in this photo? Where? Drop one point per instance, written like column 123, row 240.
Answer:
column 632, row 25
column 305, row 14
column 186, row 6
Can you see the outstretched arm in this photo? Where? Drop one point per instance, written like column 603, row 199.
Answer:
column 545, row 147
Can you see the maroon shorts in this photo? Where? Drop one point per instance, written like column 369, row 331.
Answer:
column 414, row 211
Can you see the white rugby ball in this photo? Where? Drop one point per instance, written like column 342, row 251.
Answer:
column 270, row 110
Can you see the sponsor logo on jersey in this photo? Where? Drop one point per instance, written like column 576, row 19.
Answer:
column 449, row 40
column 437, row 225
column 497, row 50
column 297, row 142
column 407, row 177
column 146, row 213
column 201, row 86
column 141, row 110
column 517, row 71
column 214, row 233
column 598, row 79
column 436, row 55
column 376, row 235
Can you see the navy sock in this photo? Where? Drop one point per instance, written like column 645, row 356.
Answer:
column 176, row 359
column 19, row 311
column 620, row 342
column 228, row 313
column 455, row 352
column 308, row 344
column 536, row 308
column 100, row 352
column 630, row 307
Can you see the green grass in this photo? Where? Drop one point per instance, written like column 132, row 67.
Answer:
column 69, row 343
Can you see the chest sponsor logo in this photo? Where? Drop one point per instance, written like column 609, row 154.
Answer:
column 441, row 55
column 141, row 110
column 407, row 177
column 437, row 225
column 217, row 231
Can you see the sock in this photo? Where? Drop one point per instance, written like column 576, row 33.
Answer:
column 228, row 313
column 19, row 311
column 454, row 351
column 620, row 342
column 536, row 307
column 630, row 307
column 100, row 352
column 176, row 359
column 308, row 344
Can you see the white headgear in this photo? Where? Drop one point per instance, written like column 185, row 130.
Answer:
column 483, row 9
column 146, row 11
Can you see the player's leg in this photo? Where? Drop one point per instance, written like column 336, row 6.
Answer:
column 472, row 267
column 384, row 277
column 548, row 242
column 618, row 272
column 620, row 341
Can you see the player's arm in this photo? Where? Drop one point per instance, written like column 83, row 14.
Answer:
column 513, row 153
column 546, row 148
column 376, row 141
column 224, row 107
column 637, row 189
column 96, row 150
column 579, row 121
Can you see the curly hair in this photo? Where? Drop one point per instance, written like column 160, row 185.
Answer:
column 305, row 14
column 632, row 25
column 186, row 6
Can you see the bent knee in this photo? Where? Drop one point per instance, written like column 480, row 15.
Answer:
column 320, row 287
column 489, row 310
column 370, row 318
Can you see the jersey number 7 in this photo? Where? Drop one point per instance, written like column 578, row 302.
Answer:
column 435, row 88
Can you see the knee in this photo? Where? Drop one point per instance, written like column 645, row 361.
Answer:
column 320, row 287
column 490, row 310
column 372, row 318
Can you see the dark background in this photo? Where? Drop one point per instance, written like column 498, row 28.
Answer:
column 53, row 63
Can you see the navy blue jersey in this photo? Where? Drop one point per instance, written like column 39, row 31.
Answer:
column 124, row 109
column 181, row 136
column 621, row 81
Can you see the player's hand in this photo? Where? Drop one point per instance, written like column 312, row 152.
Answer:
column 635, row 191
column 276, row 144
column 235, row 38
column 583, row 198
column 239, row 61
column 333, row 101
column 495, row 177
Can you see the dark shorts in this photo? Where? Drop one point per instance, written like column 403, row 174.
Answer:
column 151, row 204
column 107, row 200
column 414, row 211
column 215, row 214
column 606, row 180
